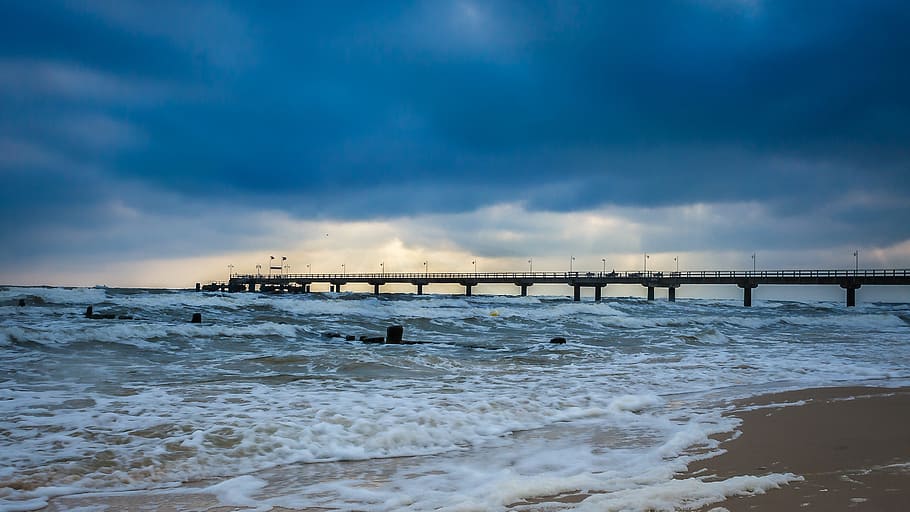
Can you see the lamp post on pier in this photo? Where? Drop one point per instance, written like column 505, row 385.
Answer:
column 676, row 260
column 475, row 266
column 571, row 261
column 646, row 258
column 382, row 268
column 855, row 262
column 426, row 268
column 604, row 260
column 308, row 271
column 753, row 262
column 530, row 265
column 258, row 269
column 343, row 270
column 230, row 271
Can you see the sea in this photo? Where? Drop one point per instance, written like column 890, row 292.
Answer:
column 267, row 405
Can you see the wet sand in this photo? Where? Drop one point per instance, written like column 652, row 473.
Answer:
column 851, row 445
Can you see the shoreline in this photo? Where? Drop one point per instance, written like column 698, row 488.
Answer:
column 851, row 446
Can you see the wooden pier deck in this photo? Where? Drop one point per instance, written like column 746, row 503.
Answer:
column 849, row 280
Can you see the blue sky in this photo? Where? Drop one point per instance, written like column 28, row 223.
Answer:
column 156, row 143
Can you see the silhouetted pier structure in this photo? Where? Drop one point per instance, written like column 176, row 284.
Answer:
column 849, row 280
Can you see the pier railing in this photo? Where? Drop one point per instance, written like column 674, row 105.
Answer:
column 629, row 274
column 849, row 280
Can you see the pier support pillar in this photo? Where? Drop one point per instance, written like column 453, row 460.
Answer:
column 851, row 293
column 198, row 287
column 467, row 290
column 419, row 289
column 650, row 293
column 375, row 289
column 747, row 293
column 524, row 290
column 577, row 296
column 597, row 292
column 671, row 294
column 338, row 288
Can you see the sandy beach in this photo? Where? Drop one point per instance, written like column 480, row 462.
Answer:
column 851, row 445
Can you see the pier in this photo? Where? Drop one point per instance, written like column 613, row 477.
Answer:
column 849, row 280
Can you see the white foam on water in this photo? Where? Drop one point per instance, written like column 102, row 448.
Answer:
column 634, row 403
column 443, row 308
column 24, row 505
column 238, row 491
column 690, row 493
column 532, row 465
column 58, row 295
column 212, row 435
column 15, row 500
column 137, row 333
column 773, row 405
column 489, row 415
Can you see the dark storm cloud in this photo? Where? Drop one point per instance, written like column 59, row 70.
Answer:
column 359, row 110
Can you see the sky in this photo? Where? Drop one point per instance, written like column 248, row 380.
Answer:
column 156, row 143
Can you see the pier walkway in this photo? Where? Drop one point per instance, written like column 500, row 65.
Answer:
column 849, row 280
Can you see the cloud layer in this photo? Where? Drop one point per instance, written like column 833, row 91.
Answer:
column 168, row 131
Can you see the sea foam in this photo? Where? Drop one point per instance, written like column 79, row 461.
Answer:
column 256, row 407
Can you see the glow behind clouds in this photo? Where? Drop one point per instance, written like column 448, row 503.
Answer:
column 503, row 238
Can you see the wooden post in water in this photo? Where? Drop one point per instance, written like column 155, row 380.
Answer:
column 394, row 333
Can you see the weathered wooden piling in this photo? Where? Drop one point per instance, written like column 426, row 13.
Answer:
column 394, row 333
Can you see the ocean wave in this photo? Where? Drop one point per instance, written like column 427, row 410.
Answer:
column 485, row 411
